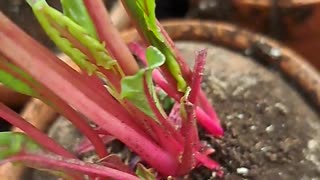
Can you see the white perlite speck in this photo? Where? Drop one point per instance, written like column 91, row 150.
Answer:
column 242, row 171
column 240, row 116
column 270, row 128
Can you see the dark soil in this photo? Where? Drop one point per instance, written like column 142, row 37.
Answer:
column 270, row 131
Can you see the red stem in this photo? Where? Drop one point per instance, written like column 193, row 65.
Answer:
column 185, row 70
column 197, row 75
column 190, row 132
column 212, row 123
column 163, row 84
column 83, row 127
column 168, row 134
column 86, row 145
column 37, row 135
column 209, row 163
column 73, row 165
column 168, row 76
column 109, row 34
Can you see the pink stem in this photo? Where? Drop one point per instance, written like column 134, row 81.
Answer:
column 187, row 74
column 211, row 125
column 174, row 116
column 109, row 34
column 70, row 165
column 209, row 163
column 86, row 146
column 197, row 75
column 162, row 83
column 205, row 104
column 38, row 136
column 101, row 131
column 166, row 137
column 185, row 70
column 83, row 127
column 191, row 142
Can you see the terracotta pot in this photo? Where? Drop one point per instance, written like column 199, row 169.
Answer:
column 295, row 22
column 283, row 59
column 282, row 3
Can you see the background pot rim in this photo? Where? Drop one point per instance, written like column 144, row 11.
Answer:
column 282, row 3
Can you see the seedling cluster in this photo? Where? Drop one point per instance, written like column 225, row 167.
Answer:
column 107, row 89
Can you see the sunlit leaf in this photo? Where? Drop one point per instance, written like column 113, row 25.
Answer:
column 145, row 174
column 143, row 12
column 72, row 39
column 9, row 76
column 12, row 143
column 76, row 11
column 133, row 88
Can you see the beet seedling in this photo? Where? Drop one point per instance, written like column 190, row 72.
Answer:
column 109, row 89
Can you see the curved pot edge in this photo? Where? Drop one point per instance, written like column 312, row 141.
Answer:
column 283, row 4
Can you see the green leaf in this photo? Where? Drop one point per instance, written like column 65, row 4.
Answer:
column 13, row 82
column 76, row 11
column 144, row 13
column 68, row 36
column 12, row 143
column 133, row 88
column 145, row 174
column 166, row 101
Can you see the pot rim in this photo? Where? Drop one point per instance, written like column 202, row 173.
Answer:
column 282, row 3
column 295, row 68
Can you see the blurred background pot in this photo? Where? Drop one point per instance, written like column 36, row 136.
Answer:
column 294, row 22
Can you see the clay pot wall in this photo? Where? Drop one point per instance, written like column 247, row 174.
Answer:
column 294, row 22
